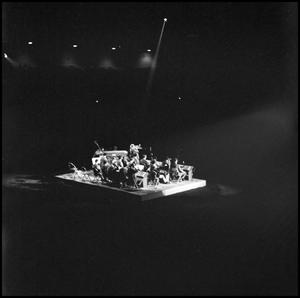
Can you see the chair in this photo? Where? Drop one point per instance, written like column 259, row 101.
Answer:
column 140, row 179
column 181, row 176
column 177, row 175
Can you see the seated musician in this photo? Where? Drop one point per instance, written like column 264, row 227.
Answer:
column 117, row 171
column 151, row 156
column 119, row 162
column 136, row 159
column 123, row 177
column 164, row 173
column 132, row 170
column 145, row 162
column 153, row 171
column 167, row 164
column 176, row 171
column 103, row 160
column 106, row 171
column 125, row 160
column 112, row 170
column 97, row 170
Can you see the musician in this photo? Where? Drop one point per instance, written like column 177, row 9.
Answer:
column 167, row 165
column 119, row 162
column 106, row 171
column 131, row 171
column 145, row 162
column 153, row 170
column 151, row 156
column 114, row 173
column 154, row 164
column 135, row 159
column 97, row 170
column 164, row 172
column 103, row 160
column 134, row 150
column 114, row 160
column 176, row 171
column 123, row 176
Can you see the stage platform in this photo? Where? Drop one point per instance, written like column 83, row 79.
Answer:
column 142, row 194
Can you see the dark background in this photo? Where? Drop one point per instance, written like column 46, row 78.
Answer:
column 221, row 59
column 235, row 67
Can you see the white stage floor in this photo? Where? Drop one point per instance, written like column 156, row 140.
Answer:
column 143, row 194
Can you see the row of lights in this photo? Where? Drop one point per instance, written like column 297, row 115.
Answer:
column 76, row 46
column 113, row 48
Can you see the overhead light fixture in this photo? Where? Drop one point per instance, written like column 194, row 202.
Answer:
column 5, row 55
column 165, row 19
column 148, row 50
column 29, row 42
column 113, row 48
column 75, row 46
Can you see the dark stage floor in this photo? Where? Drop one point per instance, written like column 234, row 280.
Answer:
column 237, row 236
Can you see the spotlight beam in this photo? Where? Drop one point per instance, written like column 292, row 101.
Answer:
column 154, row 63
column 11, row 61
column 152, row 70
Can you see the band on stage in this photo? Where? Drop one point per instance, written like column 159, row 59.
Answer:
column 124, row 169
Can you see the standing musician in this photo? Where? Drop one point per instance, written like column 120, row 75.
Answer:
column 134, row 150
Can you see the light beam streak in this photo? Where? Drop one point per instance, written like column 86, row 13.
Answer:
column 144, row 104
column 154, row 63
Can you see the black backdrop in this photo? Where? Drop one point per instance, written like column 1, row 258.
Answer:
column 222, row 60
